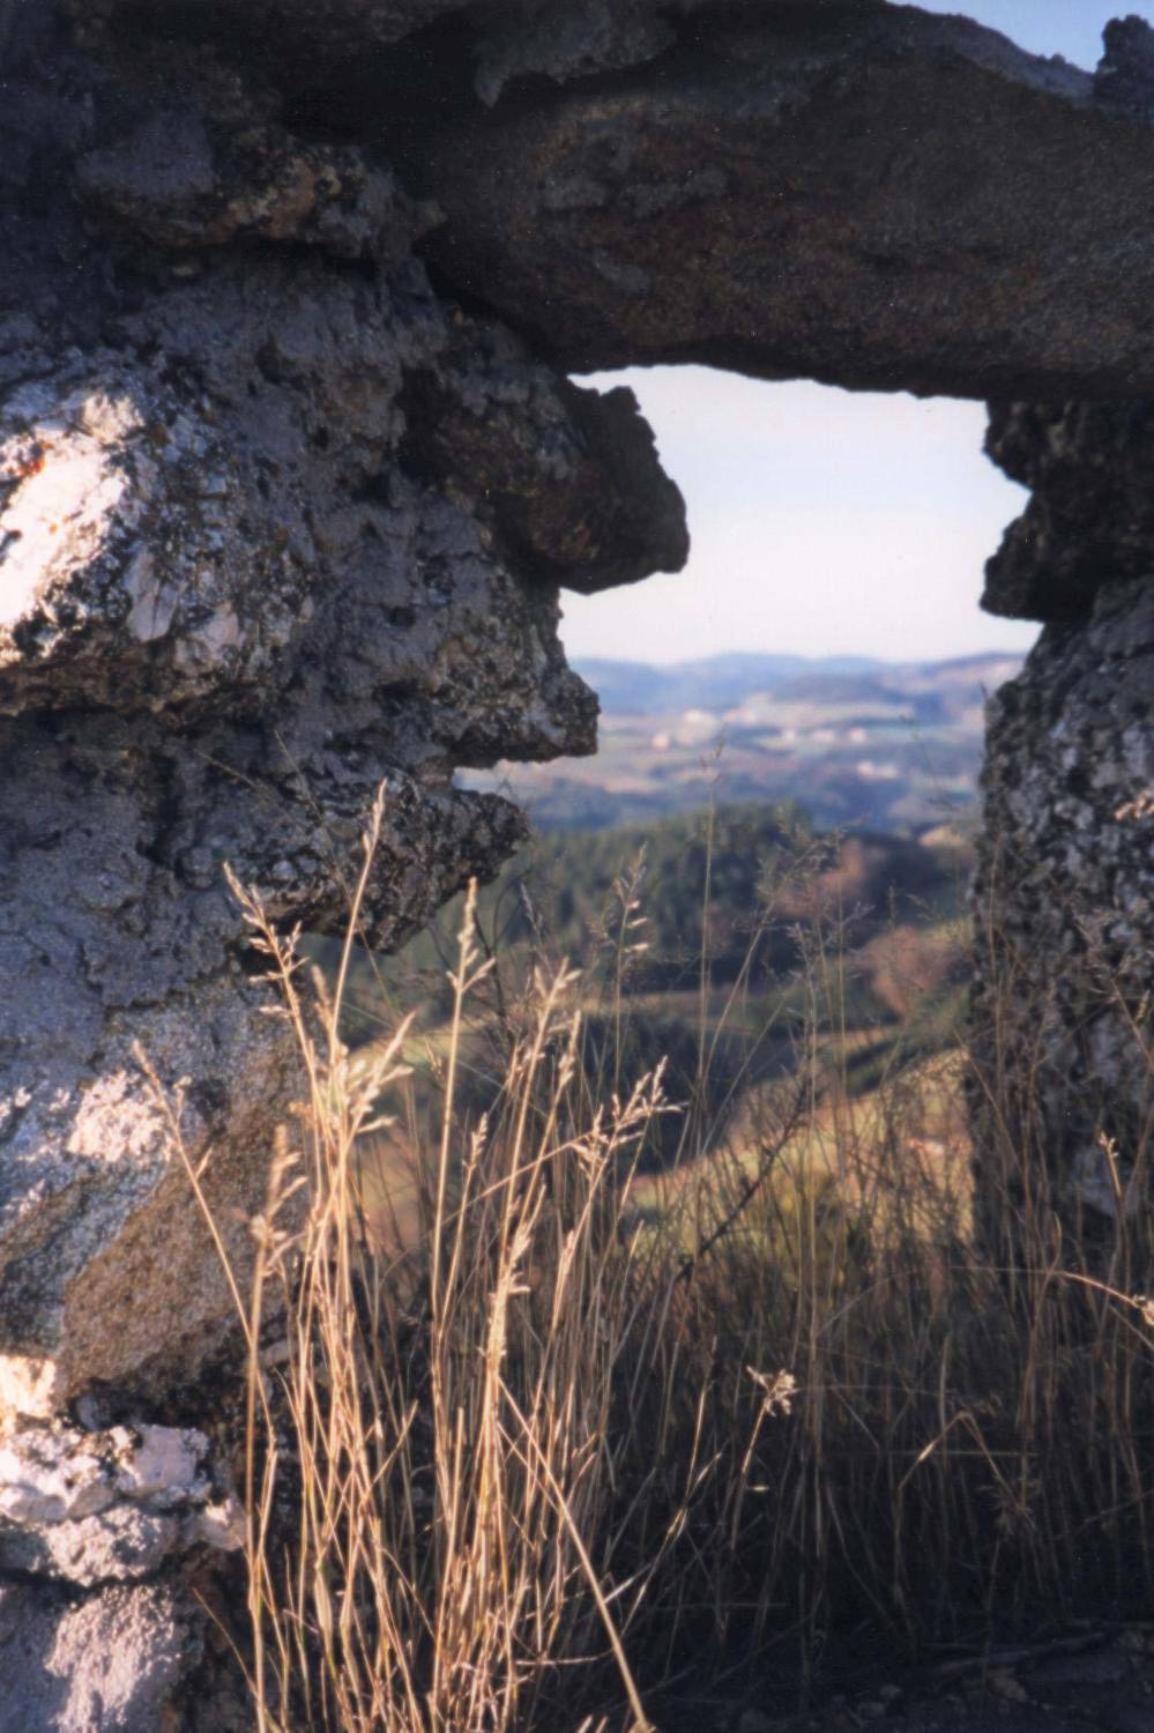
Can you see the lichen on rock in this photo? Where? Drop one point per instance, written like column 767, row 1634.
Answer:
column 292, row 475
column 89, row 1509
column 242, row 588
column 1065, row 906
column 113, row 1661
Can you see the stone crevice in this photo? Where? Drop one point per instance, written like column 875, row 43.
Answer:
column 292, row 477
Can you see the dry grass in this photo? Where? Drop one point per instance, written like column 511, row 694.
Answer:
column 546, row 1446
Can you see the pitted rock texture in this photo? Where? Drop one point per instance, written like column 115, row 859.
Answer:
column 94, row 1508
column 122, row 585
column 277, row 525
column 1090, row 518
column 107, row 1541
column 862, row 195
column 110, row 1663
column 1065, row 892
column 291, row 478
column 1065, row 907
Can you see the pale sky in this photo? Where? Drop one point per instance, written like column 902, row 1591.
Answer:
column 827, row 522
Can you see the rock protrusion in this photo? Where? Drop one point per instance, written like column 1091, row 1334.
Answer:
column 88, row 1509
column 247, row 578
column 1089, row 521
column 1065, row 916
column 865, row 196
column 291, row 477
column 114, row 1661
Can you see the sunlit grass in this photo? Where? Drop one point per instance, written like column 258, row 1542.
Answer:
column 593, row 1387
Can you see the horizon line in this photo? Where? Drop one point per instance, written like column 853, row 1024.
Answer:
column 1006, row 655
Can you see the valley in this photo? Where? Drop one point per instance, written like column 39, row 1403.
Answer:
column 894, row 747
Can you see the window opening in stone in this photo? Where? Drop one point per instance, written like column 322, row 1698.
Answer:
column 761, row 876
column 823, row 644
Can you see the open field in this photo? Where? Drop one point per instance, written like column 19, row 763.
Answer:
column 893, row 748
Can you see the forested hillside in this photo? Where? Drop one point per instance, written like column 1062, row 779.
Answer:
column 710, row 920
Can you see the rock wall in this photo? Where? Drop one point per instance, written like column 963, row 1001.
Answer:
column 277, row 523
column 292, row 474
column 1065, row 894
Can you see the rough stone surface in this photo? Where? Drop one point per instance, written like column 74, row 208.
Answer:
column 1090, row 518
column 291, row 478
column 1065, row 902
column 1065, row 895
column 277, row 524
column 866, row 196
column 93, row 1508
column 105, row 1664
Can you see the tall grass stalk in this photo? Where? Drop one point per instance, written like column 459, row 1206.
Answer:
column 431, row 1465
column 590, row 1419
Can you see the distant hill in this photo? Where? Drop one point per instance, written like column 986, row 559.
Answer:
column 643, row 688
column 857, row 743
